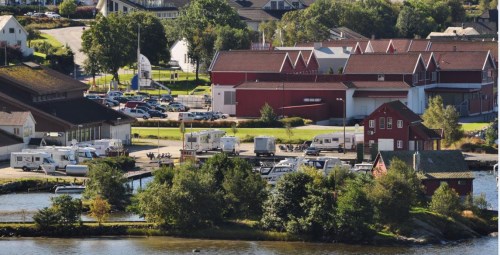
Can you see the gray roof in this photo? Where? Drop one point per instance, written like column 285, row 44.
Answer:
column 442, row 164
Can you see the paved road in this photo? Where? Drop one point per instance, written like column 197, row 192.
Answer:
column 72, row 36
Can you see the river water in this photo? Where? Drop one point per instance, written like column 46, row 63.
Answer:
column 12, row 204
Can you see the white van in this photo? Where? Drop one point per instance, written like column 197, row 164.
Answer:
column 62, row 157
column 186, row 116
column 335, row 141
column 32, row 161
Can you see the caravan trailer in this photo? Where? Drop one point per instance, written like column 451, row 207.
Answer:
column 205, row 140
column 230, row 144
column 335, row 141
column 264, row 145
column 104, row 145
column 62, row 156
column 32, row 161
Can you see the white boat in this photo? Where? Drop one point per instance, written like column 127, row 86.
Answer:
column 272, row 174
column 70, row 189
column 362, row 168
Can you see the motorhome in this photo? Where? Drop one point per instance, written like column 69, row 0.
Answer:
column 264, row 145
column 62, row 156
column 86, row 153
column 32, row 161
column 335, row 141
column 204, row 140
column 104, row 145
column 230, row 144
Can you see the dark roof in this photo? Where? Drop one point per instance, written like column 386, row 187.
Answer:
column 39, row 80
column 403, row 110
column 379, row 46
column 423, row 132
column 83, row 111
column 451, row 45
column 259, row 14
column 292, row 85
column 249, row 61
column 381, row 63
column 7, row 139
column 442, row 164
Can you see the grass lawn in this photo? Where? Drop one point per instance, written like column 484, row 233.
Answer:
column 245, row 134
column 48, row 38
column 467, row 127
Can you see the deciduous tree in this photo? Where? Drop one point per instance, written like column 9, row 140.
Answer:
column 67, row 7
column 108, row 183
column 99, row 209
column 445, row 201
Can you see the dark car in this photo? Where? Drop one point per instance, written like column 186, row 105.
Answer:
column 312, row 151
column 122, row 100
column 144, row 108
column 166, row 98
column 155, row 113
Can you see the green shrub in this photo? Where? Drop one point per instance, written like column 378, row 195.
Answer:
column 19, row 10
column 175, row 123
column 294, row 121
column 123, row 163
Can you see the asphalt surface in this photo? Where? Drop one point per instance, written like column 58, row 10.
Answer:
column 71, row 36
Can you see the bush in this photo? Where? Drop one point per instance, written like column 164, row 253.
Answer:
column 175, row 123
column 122, row 163
column 48, row 23
column 445, row 201
column 19, row 10
column 294, row 121
column 84, row 12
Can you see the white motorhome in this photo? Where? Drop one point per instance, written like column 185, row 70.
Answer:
column 230, row 144
column 335, row 141
column 86, row 153
column 264, row 145
column 32, row 161
column 61, row 156
column 204, row 140
column 103, row 145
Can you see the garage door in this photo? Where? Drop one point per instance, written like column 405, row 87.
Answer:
column 385, row 144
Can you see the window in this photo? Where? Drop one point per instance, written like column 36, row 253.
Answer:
column 389, row 122
column 295, row 5
column 110, row 6
column 400, row 144
column 434, row 76
column 381, row 77
column 116, row 6
column 462, row 182
column 312, row 100
column 335, row 139
column 274, row 5
column 281, row 5
column 11, row 30
column 125, row 9
column 19, row 158
column 381, row 123
column 400, row 124
column 18, row 42
column 371, row 124
column 328, row 141
column 229, row 98
column 16, row 131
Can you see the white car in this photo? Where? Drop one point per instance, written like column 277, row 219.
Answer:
column 136, row 113
column 54, row 16
column 220, row 115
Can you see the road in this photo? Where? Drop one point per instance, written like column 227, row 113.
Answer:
column 71, row 36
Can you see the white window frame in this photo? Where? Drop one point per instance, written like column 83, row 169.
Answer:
column 388, row 123
column 381, row 77
column 381, row 123
column 400, row 123
column 400, row 144
column 371, row 123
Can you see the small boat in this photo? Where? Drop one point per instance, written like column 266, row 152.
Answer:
column 362, row 167
column 70, row 189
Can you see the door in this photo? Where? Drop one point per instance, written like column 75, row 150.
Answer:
column 385, row 144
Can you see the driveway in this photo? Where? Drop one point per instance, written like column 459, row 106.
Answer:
column 71, row 36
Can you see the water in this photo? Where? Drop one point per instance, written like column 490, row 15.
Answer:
column 11, row 204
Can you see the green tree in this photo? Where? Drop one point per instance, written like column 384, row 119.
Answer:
column 91, row 64
column 99, row 209
column 438, row 117
column 68, row 209
column 234, row 129
column 354, row 213
column 67, row 7
column 32, row 34
column 445, row 201
column 45, row 218
column 484, row 5
column 112, row 42
column 268, row 29
column 198, row 23
column 267, row 114
column 491, row 133
column 153, row 40
column 108, row 183
column 457, row 10
column 394, row 193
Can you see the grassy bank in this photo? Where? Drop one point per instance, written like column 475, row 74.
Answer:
column 245, row 134
column 34, row 184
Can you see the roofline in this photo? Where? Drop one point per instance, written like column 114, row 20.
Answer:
column 216, row 56
column 488, row 56
column 419, row 60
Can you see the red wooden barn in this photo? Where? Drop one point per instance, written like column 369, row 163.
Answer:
column 433, row 167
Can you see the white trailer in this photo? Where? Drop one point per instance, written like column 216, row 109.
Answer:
column 335, row 141
column 62, row 156
column 32, row 161
column 103, row 145
column 77, row 170
column 264, row 145
column 230, row 144
column 205, row 140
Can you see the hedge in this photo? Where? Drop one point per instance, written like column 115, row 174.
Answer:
column 19, row 10
column 47, row 23
column 123, row 163
column 257, row 123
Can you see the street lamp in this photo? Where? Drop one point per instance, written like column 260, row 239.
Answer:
column 343, row 120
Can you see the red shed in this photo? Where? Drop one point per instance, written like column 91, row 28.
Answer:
column 433, row 167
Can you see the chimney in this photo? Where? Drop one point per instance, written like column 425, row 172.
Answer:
column 317, row 45
column 341, row 34
column 416, row 161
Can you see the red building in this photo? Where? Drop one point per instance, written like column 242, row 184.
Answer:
column 394, row 127
column 432, row 167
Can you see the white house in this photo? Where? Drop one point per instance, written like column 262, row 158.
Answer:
column 179, row 55
column 16, row 130
column 162, row 9
column 14, row 34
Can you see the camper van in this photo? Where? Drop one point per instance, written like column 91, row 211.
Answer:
column 104, row 145
column 335, row 141
column 230, row 144
column 264, row 145
column 86, row 153
column 62, row 156
column 204, row 140
column 32, row 161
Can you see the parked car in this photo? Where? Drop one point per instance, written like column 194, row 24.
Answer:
column 311, row 151
column 122, row 99
column 159, row 107
column 200, row 116
column 110, row 102
column 136, row 113
column 166, row 98
column 54, row 16
column 185, row 116
column 134, row 104
column 29, row 14
column 175, row 108
column 92, row 97
column 38, row 15
column 155, row 113
column 220, row 115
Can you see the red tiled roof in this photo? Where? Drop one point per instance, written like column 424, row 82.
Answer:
column 379, row 46
column 465, row 46
column 380, row 94
column 335, row 43
column 455, row 60
column 13, row 118
column 381, row 64
column 418, row 45
column 292, row 85
column 249, row 61
column 401, row 45
column 381, row 84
